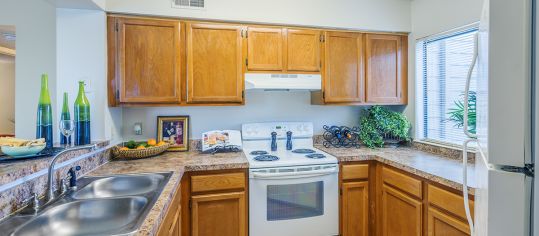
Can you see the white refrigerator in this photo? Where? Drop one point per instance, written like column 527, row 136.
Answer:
column 507, row 134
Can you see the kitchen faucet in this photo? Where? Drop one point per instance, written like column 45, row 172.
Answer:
column 50, row 178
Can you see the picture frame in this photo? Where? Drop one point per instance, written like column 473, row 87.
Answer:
column 174, row 130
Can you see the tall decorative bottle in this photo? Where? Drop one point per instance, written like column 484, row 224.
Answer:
column 44, row 113
column 65, row 116
column 82, row 117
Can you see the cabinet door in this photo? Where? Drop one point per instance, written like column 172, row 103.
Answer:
column 221, row 214
column 214, row 63
column 355, row 208
column 343, row 81
column 442, row 224
column 303, row 50
column 401, row 214
column 148, row 60
column 265, row 49
column 385, row 69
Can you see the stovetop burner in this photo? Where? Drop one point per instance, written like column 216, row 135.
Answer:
column 258, row 152
column 266, row 158
column 316, row 156
column 303, row 151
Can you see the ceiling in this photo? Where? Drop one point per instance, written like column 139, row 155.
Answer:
column 7, row 29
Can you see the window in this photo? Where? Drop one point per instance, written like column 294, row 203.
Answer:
column 441, row 68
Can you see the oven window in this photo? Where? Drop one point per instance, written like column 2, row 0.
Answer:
column 294, row 201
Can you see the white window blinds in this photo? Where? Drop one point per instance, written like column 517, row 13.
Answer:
column 441, row 68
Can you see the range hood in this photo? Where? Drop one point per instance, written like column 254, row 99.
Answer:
column 270, row 82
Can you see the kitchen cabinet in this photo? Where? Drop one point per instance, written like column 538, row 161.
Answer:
column 265, row 48
column 401, row 214
column 283, row 50
column 446, row 215
column 355, row 200
column 216, row 203
column 343, row 80
column 303, row 50
column 171, row 223
column 386, row 68
column 214, row 63
column 219, row 214
column 144, row 61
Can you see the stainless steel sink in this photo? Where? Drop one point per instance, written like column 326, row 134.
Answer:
column 89, row 217
column 103, row 205
column 118, row 186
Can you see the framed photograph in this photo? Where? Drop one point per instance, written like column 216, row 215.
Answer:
column 174, row 130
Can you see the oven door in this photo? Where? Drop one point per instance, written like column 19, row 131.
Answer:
column 295, row 201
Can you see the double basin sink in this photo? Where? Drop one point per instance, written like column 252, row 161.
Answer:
column 105, row 205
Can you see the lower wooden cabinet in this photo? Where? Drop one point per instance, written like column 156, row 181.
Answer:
column 401, row 214
column 444, row 224
column 215, row 203
column 355, row 208
column 171, row 225
column 220, row 214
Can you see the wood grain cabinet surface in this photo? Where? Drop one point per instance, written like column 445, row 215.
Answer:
column 145, row 54
column 221, row 214
column 265, row 48
column 303, row 50
column 355, row 208
column 401, row 214
column 344, row 62
column 386, row 68
column 214, row 63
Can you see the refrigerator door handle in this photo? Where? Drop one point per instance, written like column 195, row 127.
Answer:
column 465, row 184
column 467, row 89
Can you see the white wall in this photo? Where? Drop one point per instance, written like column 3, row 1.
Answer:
column 7, row 94
column 260, row 107
column 35, row 22
column 82, row 55
column 429, row 17
column 384, row 15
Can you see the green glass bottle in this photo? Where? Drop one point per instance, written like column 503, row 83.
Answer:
column 82, row 117
column 44, row 113
column 65, row 116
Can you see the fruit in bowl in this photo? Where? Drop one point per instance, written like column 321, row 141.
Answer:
column 20, row 147
column 134, row 149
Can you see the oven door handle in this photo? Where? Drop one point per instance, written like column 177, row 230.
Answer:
column 294, row 175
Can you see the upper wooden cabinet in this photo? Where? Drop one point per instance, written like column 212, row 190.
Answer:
column 282, row 50
column 303, row 50
column 144, row 61
column 265, row 48
column 386, row 68
column 343, row 78
column 214, row 63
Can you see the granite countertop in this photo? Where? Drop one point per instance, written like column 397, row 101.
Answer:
column 439, row 169
column 436, row 168
column 177, row 163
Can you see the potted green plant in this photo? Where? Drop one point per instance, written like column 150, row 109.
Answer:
column 379, row 126
column 456, row 114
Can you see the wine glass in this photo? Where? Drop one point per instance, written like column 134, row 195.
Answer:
column 66, row 128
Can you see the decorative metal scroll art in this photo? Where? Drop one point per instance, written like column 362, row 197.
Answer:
column 341, row 136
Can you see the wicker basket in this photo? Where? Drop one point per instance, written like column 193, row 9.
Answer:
column 139, row 153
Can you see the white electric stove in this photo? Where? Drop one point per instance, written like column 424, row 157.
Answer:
column 293, row 187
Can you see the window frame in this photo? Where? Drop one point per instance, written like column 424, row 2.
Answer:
column 421, row 80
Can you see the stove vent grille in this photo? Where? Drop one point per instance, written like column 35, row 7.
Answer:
column 189, row 4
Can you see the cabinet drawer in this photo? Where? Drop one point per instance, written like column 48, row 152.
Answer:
column 355, row 171
column 404, row 182
column 448, row 201
column 215, row 182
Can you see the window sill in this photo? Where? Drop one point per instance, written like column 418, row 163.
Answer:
column 445, row 145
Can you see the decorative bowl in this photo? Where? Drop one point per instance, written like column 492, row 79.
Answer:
column 22, row 151
column 139, row 153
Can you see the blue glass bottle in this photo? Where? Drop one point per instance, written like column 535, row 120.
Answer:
column 44, row 113
column 82, row 117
